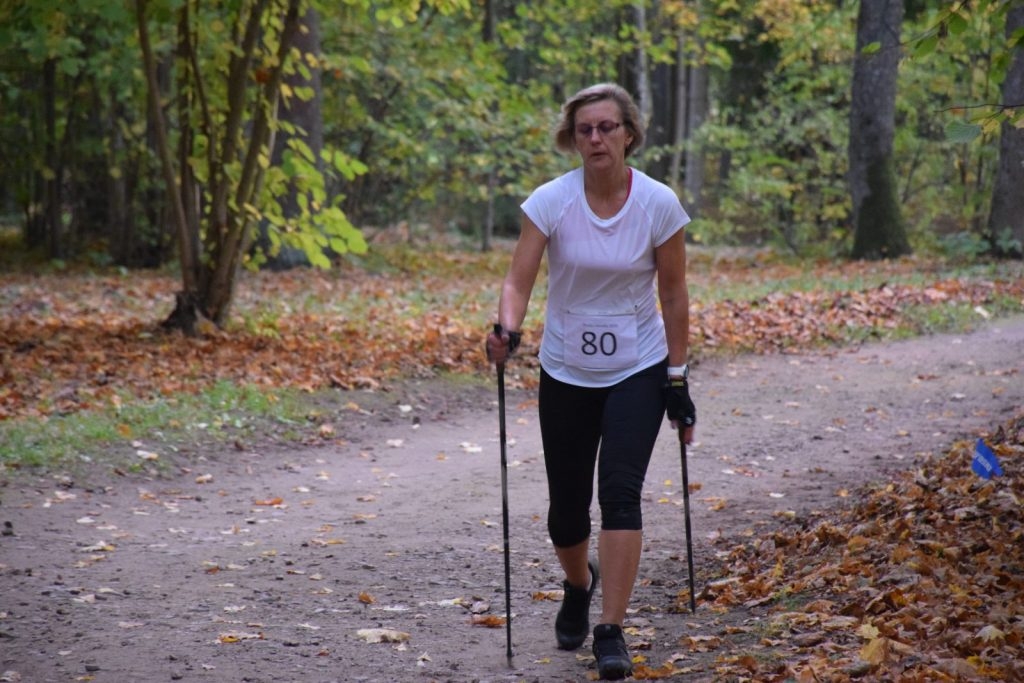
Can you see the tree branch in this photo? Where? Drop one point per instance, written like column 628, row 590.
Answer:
column 163, row 148
column 992, row 105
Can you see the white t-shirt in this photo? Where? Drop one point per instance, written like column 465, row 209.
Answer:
column 602, row 322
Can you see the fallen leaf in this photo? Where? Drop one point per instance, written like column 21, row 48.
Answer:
column 989, row 633
column 487, row 620
column 701, row 643
column 382, row 635
column 100, row 547
column 868, row 632
column 554, row 596
column 876, row 651
column 228, row 638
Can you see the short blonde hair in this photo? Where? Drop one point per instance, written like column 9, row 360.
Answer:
column 565, row 130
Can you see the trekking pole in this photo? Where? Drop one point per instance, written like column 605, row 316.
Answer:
column 686, row 512
column 504, row 504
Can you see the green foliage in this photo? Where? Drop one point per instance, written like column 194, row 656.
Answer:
column 945, row 151
column 963, row 245
column 958, row 131
column 975, row 29
column 443, row 119
column 426, row 122
column 785, row 182
column 319, row 226
column 96, row 101
column 1005, row 242
column 786, row 149
column 429, row 109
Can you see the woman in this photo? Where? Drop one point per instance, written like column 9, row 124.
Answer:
column 611, row 362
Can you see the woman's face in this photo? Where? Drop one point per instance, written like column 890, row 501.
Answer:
column 600, row 136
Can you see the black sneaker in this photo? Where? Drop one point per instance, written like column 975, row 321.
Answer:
column 613, row 661
column 573, row 621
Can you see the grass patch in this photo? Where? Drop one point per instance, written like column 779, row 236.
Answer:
column 302, row 331
column 919, row 320
column 755, row 275
column 220, row 414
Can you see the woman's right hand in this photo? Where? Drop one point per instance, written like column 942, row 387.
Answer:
column 501, row 344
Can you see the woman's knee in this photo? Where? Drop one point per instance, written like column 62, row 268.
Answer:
column 621, row 516
column 566, row 532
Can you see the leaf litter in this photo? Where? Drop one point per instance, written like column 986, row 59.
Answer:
column 74, row 342
column 921, row 577
column 921, row 580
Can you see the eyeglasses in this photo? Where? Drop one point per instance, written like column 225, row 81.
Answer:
column 585, row 130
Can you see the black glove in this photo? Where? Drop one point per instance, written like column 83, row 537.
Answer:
column 678, row 405
column 514, row 338
column 494, row 343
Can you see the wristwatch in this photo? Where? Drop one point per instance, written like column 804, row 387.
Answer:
column 679, row 371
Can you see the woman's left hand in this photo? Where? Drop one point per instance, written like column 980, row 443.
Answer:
column 679, row 407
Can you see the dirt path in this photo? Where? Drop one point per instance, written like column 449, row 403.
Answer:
column 261, row 565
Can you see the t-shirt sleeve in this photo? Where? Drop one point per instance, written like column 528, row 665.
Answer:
column 546, row 204
column 534, row 208
column 670, row 216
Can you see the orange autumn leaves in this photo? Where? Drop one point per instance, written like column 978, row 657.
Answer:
column 78, row 342
column 921, row 580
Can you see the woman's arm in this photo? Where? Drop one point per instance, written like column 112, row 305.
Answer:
column 674, row 296
column 670, row 259
column 517, row 287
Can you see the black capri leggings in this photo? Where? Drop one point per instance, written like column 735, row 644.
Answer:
column 613, row 428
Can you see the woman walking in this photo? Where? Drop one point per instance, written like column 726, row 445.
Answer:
column 613, row 361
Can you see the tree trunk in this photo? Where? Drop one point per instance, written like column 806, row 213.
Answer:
column 122, row 227
column 307, row 117
column 229, row 236
column 680, row 97
column 697, row 111
column 487, row 238
column 189, row 189
column 643, row 77
column 1006, row 219
column 35, row 205
column 186, row 310
column 488, row 33
column 879, row 231
column 53, row 173
column 163, row 146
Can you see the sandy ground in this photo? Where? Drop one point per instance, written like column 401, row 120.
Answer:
column 271, row 565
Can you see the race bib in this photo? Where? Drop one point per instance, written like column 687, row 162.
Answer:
column 600, row 341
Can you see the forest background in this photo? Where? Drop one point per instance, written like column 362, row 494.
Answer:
column 198, row 140
column 301, row 128
column 168, row 160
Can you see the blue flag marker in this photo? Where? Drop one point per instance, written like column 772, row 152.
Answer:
column 985, row 463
